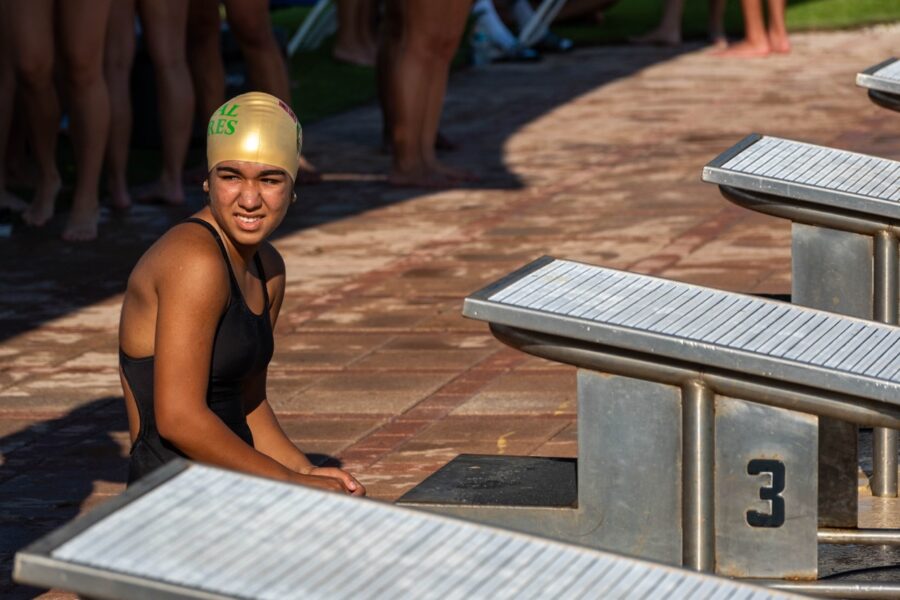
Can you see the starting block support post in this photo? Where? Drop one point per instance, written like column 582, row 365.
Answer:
column 697, row 455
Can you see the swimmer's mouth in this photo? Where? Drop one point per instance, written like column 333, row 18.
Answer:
column 248, row 222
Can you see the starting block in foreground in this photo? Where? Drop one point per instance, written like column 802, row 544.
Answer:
column 190, row 531
column 674, row 463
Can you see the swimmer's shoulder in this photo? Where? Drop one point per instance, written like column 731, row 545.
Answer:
column 187, row 253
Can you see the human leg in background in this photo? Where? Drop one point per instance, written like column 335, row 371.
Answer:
column 756, row 39
column 668, row 32
column 386, row 58
column 165, row 30
column 439, row 42
column 82, row 39
column 355, row 41
column 418, row 42
column 205, row 56
column 250, row 23
column 31, row 33
column 777, row 31
column 716, row 26
column 117, row 62
column 7, row 104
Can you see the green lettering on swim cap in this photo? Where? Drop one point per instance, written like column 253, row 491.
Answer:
column 223, row 125
column 229, row 110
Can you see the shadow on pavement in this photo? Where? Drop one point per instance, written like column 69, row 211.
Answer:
column 49, row 469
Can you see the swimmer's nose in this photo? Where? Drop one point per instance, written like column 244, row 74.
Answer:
column 250, row 197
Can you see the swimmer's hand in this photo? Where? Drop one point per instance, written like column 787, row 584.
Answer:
column 332, row 479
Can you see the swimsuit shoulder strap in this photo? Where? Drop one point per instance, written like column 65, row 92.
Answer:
column 262, row 278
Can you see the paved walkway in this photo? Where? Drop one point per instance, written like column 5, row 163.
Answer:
column 594, row 156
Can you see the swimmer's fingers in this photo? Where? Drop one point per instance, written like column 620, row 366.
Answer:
column 348, row 481
column 322, row 482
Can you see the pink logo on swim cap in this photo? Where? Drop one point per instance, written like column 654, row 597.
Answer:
column 288, row 110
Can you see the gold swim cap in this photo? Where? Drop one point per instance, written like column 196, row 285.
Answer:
column 255, row 127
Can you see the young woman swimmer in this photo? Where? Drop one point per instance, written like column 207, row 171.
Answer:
column 195, row 336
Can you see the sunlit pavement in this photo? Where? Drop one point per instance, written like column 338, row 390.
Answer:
column 593, row 156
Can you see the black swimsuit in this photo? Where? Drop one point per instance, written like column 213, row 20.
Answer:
column 242, row 349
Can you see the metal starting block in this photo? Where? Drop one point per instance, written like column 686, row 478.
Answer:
column 883, row 83
column 845, row 210
column 674, row 463
column 190, row 531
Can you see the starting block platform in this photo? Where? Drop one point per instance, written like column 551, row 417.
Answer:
column 883, row 83
column 697, row 416
column 845, row 214
column 192, row 531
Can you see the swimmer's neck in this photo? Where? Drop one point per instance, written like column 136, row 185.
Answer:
column 237, row 251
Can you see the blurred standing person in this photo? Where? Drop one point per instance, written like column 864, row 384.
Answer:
column 355, row 42
column 668, row 32
column 164, row 26
column 7, row 105
column 760, row 40
column 417, row 44
column 249, row 21
column 79, row 27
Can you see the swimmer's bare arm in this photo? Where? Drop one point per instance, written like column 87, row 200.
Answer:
column 192, row 292
column 270, row 439
column 268, row 436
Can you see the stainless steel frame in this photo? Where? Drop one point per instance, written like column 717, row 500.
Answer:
column 882, row 90
column 698, row 449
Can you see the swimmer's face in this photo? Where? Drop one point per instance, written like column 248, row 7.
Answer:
column 248, row 200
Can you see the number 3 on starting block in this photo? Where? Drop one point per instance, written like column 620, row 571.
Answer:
column 766, row 491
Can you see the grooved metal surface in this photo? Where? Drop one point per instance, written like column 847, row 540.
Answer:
column 827, row 168
column 884, row 76
column 807, row 172
column 688, row 322
column 235, row 535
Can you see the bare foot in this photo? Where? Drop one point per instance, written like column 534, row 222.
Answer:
column 657, row 37
column 421, row 178
column 11, row 201
column 455, row 174
column 359, row 56
column 718, row 39
column 162, row 192
column 307, row 173
column 779, row 43
column 82, row 225
column 743, row 49
column 119, row 196
column 42, row 205
column 441, row 142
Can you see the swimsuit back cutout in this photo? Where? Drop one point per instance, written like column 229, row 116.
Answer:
column 242, row 348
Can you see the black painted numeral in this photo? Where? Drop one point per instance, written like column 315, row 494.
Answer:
column 772, row 493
